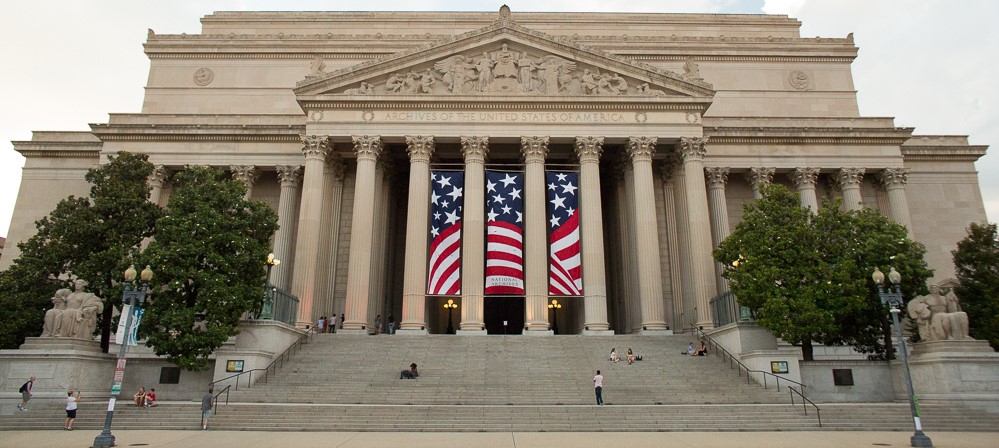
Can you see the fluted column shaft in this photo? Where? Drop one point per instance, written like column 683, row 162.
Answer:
column 650, row 286
column 367, row 149
column 626, row 272
column 594, row 274
column 804, row 179
column 849, row 180
column 376, row 282
column 473, row 223
column 414, row 286
column 535, row 149
column 334, row 200
column 702, row 263
column 687, row 312
column 290, row 177
column 304, row 281
column 717, row 177
column 248, row 174
column 157, row 180
column 673, row 244
column 894, row 180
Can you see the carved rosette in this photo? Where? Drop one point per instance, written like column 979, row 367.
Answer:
column 850, row 177
column 759, row 177
column 805, row 177
column 588, row 149
column 159, row 177
column 335, row 166
column 316, row 146
column 641, row 148
column 289, row 175
column 693, row 148
column 717, row 177
column 420, row 148
column 246, row 173
column 535, row 149
column 894, row 177
column 367, row 147
column 475, row 149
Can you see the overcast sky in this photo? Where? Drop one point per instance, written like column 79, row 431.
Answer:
column 931, row 64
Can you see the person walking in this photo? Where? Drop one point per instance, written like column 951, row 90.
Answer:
column 26, row 394
column 333, row 323
column 598, row 386
column 71, row 405
column 206, row 408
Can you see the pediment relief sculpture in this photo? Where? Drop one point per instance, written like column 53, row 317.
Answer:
column 505, row 71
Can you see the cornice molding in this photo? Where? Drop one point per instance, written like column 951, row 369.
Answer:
column 492, row 103
column 198, row 132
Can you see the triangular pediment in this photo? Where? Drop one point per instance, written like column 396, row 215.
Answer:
column 503, row 59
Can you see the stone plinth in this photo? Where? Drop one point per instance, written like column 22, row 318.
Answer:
column 60, row 364
column 964, row 372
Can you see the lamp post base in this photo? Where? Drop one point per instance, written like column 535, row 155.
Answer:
column 106, row 440
column 920, row 439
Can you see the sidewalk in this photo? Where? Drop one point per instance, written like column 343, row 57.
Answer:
column 248, row 439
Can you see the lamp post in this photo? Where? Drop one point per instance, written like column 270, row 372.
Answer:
column 554, row 306
column 267, row 310
column 892, row 296
column 130, row 296
column 450, row 306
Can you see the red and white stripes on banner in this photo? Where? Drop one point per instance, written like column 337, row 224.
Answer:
column 565, row 275
column 504, row 233
column 445, row 232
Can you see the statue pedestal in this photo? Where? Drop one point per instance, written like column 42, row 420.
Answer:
column 60, row 364
column 958, row 371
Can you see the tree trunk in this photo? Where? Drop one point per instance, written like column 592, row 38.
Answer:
column 806, row 350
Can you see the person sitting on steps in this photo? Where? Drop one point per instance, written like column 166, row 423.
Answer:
column 410, row 374
column 631, row 356
column 614, row 356
column 701, row 351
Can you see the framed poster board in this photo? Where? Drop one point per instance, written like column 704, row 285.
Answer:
column 778, row 367
column 234, row 365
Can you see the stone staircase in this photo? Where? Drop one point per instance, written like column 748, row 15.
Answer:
column 507, row 383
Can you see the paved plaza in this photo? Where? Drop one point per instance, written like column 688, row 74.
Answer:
column 248, row 439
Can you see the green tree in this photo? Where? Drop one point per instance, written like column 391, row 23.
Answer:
column 93, row 238
column 807, row 277
column 976, row 261
column 208, row 258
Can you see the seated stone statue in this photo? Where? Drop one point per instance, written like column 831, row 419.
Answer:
column 79, row 318
column 50, row 328
column 939, row 317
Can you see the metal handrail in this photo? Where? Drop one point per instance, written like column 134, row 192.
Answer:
column 777, row 378
column 304, row 339
column 818, row 413
column 215, row 399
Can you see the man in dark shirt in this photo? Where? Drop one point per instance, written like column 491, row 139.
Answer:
column 206, row 408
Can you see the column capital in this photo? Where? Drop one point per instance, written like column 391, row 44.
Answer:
column 316, row 146
column 420, row 148
column 589, row 148
column 474, row 149
column 535, row 149
column 159, row 176
column 804, row 177
column 289, row 175
column 717, row 177
column 367, row 147
column 894, row 177
column 642, row 148
column 245, row 173
column 693, row 148
column 336, row 166
column 850, row 176
column 760, row 176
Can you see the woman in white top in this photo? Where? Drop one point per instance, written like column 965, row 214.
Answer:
column 71, row 404
column 614, row 356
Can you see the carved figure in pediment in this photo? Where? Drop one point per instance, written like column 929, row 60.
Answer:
column 691, row 70
column 394, row 83
column 506, row 65
column 485, row 68
column 644, row 89
column 555, row 73
column 317, row 67
column 616, row 84
column 455, row 72
column 427, row 82
column 588, row 82
column 364, row 89
column 412, row 82
column 527, row 67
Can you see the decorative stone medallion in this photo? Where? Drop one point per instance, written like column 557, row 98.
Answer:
column 798, row 79
column 204, row 76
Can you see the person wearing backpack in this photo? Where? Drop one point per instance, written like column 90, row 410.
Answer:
column 25, row 391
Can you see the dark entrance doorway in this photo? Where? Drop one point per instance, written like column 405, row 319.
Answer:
column 498, row 310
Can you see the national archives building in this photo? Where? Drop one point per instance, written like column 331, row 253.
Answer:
column 375, row 133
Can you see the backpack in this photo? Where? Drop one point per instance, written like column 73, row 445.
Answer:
column 24, row 387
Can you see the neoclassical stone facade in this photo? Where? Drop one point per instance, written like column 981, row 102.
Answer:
column 673, row 122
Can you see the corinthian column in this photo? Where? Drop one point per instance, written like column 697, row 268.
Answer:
column 894, row 180
column 473, row 224
column 804, row 179
column 157, row 180
column 315, row 147
column 717, row 178
column 330, row 231
column 414, row 286
column 359, row 270
column 536, row 263
column 594, row 282
column 290, row 177
column 702, row 288
column 849, row 180
column 758, row 177
column 248, row 174
column 650, row 285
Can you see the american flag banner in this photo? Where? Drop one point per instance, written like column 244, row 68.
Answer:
column 565, row 276
column 504, row 233
column 445, row 232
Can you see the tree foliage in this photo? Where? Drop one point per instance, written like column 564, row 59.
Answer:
column 807, row 277
column 976, row 262
column 208, row 258
column 93, row 238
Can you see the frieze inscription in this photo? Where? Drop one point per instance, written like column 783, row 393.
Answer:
column 499, row 117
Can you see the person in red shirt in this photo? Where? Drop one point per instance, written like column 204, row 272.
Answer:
column 151, row 398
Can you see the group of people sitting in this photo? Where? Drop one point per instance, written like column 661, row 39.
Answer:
column 698, row 352
column 631, row 356
column 145, row 399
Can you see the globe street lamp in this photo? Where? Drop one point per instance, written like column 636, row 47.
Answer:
column 450, row 306
column 554, row 306
column 892, row 296
column 267, row 310
column 130, row 296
